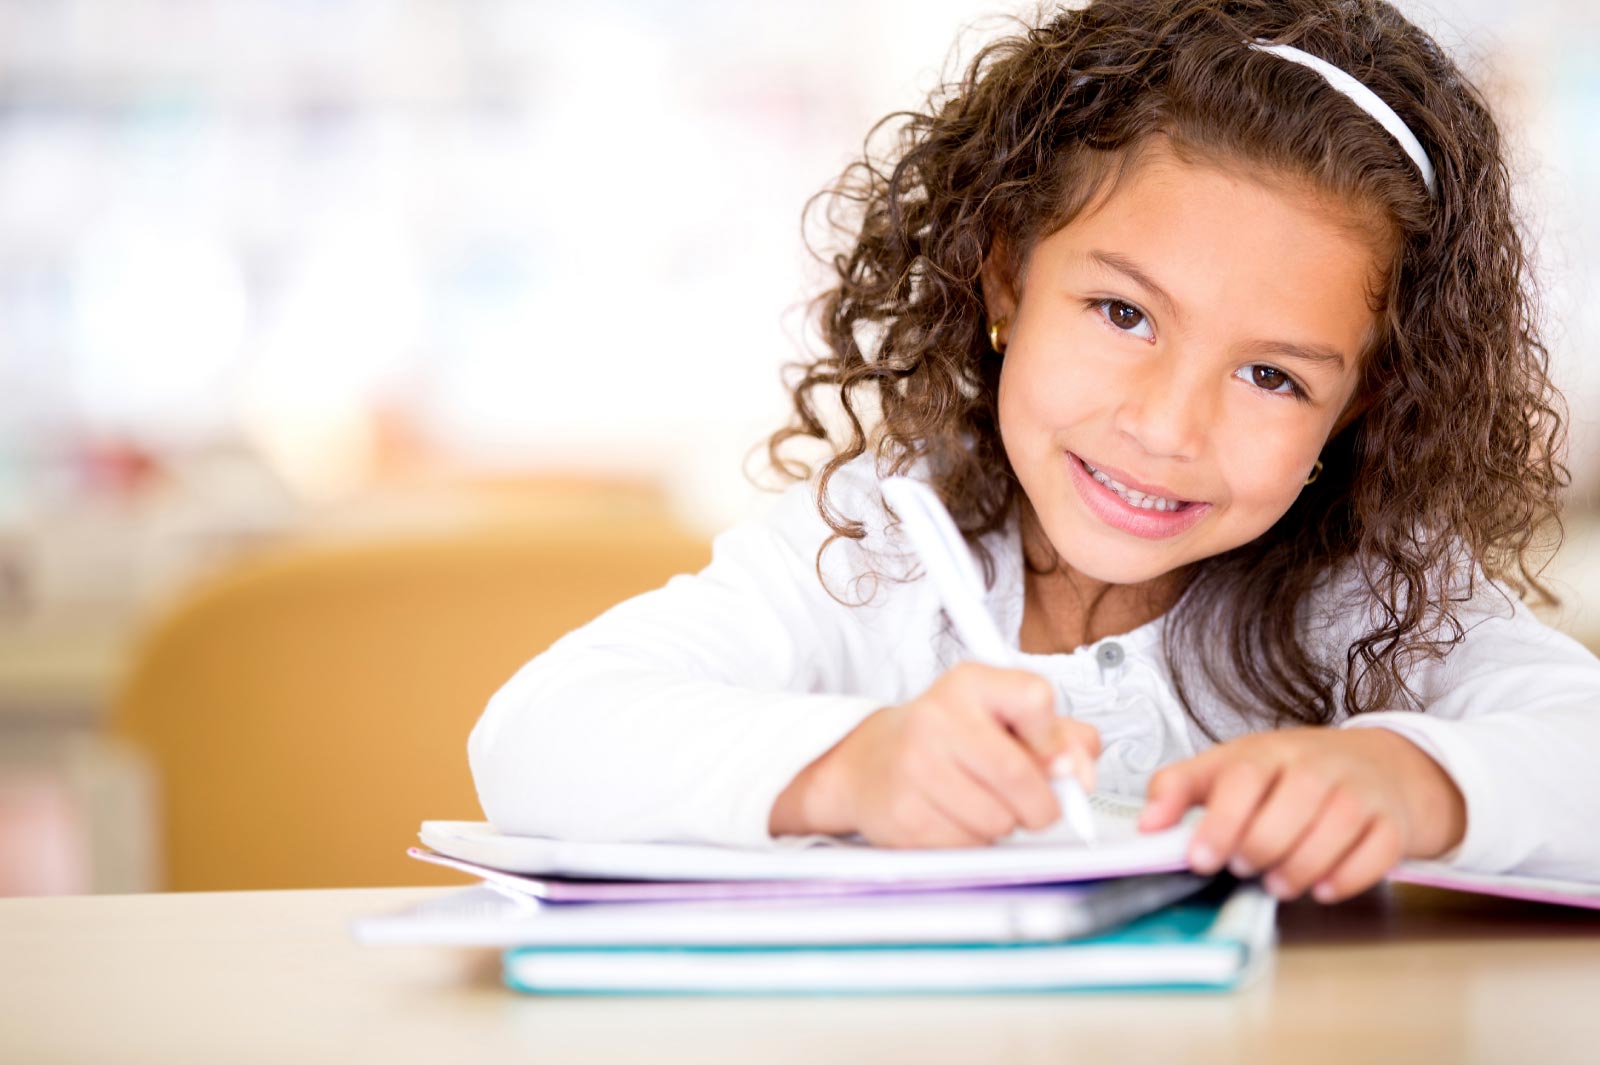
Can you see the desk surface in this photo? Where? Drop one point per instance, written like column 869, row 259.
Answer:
column 1402, row 973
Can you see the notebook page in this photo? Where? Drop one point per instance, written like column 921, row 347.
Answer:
column 1526, row 888
column 1116, row 821
column 1123, row 851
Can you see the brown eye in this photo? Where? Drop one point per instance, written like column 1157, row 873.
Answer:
column 1122, row 315
column 1124, row 318
column 1269, row 380
column 1268, row 377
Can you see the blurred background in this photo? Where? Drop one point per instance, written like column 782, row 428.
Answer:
column 329, row 329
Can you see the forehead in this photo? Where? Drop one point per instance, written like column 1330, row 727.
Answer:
column 1270, row 258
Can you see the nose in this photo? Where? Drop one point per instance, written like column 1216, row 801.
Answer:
column 1167, row 409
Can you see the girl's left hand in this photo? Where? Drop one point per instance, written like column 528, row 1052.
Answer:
column 1332, row 810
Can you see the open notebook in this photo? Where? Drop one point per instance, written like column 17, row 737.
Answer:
column 1053, row 855
column 1526, row 888
column 562, row 870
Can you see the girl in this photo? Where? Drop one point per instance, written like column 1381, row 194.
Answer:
column 1209, row 322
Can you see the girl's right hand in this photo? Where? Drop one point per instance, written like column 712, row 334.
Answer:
column 964, row 764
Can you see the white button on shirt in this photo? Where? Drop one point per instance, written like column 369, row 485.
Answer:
column 681, row 714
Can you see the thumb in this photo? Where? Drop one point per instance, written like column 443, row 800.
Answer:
column 1173, row 790
column 1077, row 745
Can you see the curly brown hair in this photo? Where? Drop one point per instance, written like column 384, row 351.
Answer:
column 1453, row 467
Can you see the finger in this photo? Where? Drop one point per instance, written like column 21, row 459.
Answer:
column 997, row 759
column 1237, row 792
column 967, row 802
column 1076, row 764
column 1176, row 788
column 1283, row 816
column 1369, row 861
column 1024, row 702
column 1079, row 744
column 1338, row 827
column 913, row 821
column 1071, row 732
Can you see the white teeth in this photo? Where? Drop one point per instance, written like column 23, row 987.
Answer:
column 1133, row 495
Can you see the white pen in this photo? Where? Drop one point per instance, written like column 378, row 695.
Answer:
column 948, row 560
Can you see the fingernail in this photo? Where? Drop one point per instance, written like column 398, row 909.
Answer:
column 1277, row 885
column 1202, row 859
column 1062, row 766
column 1323, row 892
column 1240, row 867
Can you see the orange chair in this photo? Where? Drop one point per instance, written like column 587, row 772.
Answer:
column 307, row 709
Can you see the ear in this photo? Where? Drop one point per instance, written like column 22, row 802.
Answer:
column 999, row 287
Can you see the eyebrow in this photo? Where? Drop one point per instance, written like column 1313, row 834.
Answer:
column 1317, row 354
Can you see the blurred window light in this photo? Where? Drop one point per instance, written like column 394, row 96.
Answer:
column 159, row 323
column 542, row 232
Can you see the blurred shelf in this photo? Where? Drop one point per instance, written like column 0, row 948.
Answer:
column 60, row 676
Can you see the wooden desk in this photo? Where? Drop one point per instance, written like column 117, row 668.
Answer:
column 1401, row 974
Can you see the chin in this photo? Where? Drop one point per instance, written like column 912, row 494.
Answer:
column 1113, row 570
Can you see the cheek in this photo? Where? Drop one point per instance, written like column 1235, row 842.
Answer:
column 1041, row 390
column 1265, row 470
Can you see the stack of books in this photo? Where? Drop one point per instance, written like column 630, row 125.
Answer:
column 1041, row 911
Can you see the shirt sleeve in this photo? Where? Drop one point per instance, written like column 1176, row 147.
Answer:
column 1512, row 713
column 681, row 714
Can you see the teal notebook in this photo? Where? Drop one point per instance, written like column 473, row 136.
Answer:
column 1213, row 940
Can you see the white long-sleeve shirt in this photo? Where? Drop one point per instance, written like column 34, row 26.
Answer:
column 682, row 714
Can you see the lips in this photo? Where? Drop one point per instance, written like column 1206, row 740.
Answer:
column 1127, row 481
column 1117, row 512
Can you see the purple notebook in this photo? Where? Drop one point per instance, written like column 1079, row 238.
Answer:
column 1526, row 888
column 570, row 889
column 558, row 889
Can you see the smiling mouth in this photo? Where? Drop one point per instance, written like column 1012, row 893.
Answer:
column 1132, row 496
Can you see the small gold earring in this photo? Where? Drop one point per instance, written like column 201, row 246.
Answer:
column 1315, row 470
column 994, row 335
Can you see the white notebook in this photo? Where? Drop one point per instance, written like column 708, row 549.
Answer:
column 1051, row 855
column 491, row 915
column 1210, row 940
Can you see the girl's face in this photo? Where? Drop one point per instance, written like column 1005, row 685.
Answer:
column 1193, row 337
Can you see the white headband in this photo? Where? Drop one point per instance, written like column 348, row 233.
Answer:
column 1363, row 97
